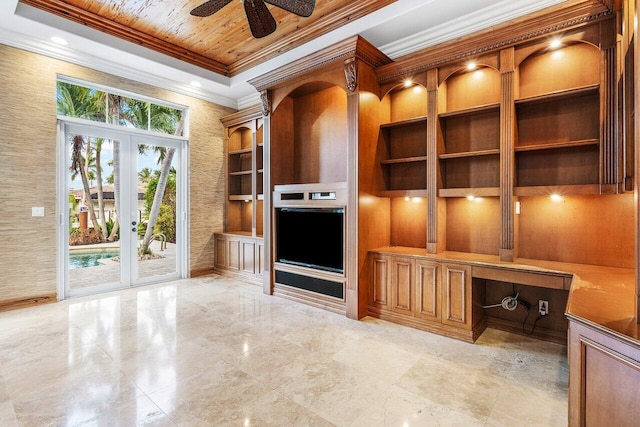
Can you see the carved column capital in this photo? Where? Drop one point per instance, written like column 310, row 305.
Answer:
column 351, row 74
column 265, row 99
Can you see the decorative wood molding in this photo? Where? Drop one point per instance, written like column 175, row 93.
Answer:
column 83, row 17
column 353, row 47
column 526, row 28
column 351, row 74
column 242, row 116
column 610, row 170
column 507, row 160
column 328, row 22
column 356, row 9
column 265, row 100
column 432, row 167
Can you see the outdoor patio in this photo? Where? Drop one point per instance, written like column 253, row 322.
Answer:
column 109, row 270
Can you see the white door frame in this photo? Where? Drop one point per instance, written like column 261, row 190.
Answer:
column 129, row 139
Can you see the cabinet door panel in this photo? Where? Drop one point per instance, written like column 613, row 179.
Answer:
column 259, row 258
column 428, row 290
column 233, row 246
column 220, row 255
column 402, row 271
column 379, row 282
column 457, row 296
column 248, row 264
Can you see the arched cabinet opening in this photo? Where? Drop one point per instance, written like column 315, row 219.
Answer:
column 309, row 136
column 558, row 119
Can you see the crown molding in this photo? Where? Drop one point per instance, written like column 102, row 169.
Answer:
column 464, row 25
column 566, row 15
column 66, row 54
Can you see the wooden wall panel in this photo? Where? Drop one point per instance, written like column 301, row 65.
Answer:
column 409, row 222
column 320, row 130
column 28, row 129
column 473, row 225
column 580, row 229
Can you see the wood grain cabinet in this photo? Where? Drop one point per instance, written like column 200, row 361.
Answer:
column 402, row 285
column 456, row 297
column 380, row 280
column 239, row 255
column 428, row 290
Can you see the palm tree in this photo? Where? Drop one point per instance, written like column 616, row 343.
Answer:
column 145, row 175
column 85, row 103
column 163, row 119
column 77, row 166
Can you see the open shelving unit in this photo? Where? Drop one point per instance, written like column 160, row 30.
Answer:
column 558, row 122
column 470, row 134
column 403, row 142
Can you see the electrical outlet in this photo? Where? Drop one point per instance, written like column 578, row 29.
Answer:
column 543, row 307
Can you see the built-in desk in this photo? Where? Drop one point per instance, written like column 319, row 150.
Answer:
column 603, row 338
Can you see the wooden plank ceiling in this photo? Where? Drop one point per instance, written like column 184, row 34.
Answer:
column 221, row 43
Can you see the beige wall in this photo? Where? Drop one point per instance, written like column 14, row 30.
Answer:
column 28, row 169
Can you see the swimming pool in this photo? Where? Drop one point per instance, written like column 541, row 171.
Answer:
column 89, row 259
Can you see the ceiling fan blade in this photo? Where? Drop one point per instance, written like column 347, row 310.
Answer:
column 210, row 7
column 302, row 8
column 261, row 21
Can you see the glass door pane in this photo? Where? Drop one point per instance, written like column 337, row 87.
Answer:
column 158, row 204
column 93, row 242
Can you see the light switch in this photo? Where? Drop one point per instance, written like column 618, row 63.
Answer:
column 37, row 211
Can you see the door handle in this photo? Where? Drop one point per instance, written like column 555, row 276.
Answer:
column 134, row 229
column 133, row 223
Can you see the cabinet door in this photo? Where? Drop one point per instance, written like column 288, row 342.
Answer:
column 379, row 282
column 233, row 254
column 427, row 290
column 259, row 258
column 456, row 295
column 402, row 272
column 220, row 254
column 248, row 256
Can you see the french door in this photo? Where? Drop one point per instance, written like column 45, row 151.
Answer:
column 122, row 208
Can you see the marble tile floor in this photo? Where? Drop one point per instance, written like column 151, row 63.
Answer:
column 213, row 351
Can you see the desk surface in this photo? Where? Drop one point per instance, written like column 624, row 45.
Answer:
column 600, row 297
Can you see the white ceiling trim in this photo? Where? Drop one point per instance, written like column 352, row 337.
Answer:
column 464, row 25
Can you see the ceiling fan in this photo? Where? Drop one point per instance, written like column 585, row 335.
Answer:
column 261, row 21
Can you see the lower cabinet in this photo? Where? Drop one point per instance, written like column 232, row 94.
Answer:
column 238, row 254
column 604, row 377
column 421, row 293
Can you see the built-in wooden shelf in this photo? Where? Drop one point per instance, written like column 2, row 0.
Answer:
column 546, row 190
column 403, row 123
column 260, row 170
column 260, row 197
column 240, row 197
column 403, row 193
column 566, row 93
column 240, row 173
column 470, row 111
column 243, row 151
column 464, row 192
column 463, row 154
column 404, row 160
column 260, row 144
column 556, row 145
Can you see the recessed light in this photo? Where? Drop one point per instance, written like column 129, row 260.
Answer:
column 408, row 83
column 59, row 40
column 195, row 83
column 555, row 43
column 471, row 66
column 556, row 197
column 471, row 197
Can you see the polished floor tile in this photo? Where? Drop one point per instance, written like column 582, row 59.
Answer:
column 214, row 351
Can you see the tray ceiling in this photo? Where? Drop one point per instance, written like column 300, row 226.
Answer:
column 221, row 43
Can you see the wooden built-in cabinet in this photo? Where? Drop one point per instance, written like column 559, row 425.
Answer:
column 448, row 175
column 239, row 246
column 469, row 137
column 426, row 294
column 558, row 110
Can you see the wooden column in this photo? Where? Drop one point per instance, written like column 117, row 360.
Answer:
column 610, row 171
column 436, row 221
column 507, row 155
column 355, row 298
column 267, row 190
